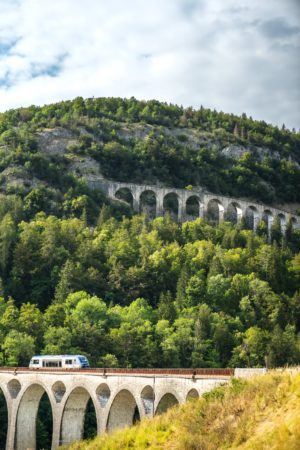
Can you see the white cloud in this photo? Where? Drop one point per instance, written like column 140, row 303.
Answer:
column 235, row 56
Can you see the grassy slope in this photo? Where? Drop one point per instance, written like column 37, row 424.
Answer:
column 263, row 413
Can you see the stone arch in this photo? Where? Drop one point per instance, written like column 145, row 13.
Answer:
column 27, row 415
column 294, row 222
column 125, row 195
column 252, row 217
column 215, row 211
column 167, row 401
column 234, row 212
column 14, row 387
column 3, row 418
column 283, row 222
column 193, row 207
column 268, row 218
column 59, row 390
column 103, row 394
column 72, row 425
column 171, row 205
column 193, row 394
column 148, row 398
column 147, row 203
column 123, row 411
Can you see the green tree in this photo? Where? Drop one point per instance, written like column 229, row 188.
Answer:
column 7, row 239
column 284, row 346
column 18, row 348
column 31, row 321
column 253, row 350
column 57, row 341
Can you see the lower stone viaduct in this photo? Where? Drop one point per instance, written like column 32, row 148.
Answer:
column 118, row 395
column 185, row 204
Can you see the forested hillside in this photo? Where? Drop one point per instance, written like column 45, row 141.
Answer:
column 80, row 274
column 138, row 293
column 53, row 149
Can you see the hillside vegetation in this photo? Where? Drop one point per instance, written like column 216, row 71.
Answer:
column 53, row 150
column 89, row 275
column 80, row 274
column 263, row 413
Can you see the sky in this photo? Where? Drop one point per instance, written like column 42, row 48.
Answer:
column 236, row 56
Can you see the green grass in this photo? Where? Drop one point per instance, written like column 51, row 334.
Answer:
column 259, row 414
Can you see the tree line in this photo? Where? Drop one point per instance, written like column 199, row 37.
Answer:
column 140, row 293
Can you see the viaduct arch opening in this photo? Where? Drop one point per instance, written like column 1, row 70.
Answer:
column 44, row 424
column 148, row 397
column 148, row 204
column 193, row 207
column 3, row 420
column 124, row 194
column 283, row 223
column 79, row 417
column 14, row 387
column 252, row 218
column 215, row 211
column 59, row 390
column 103, row 394
column 166, row 402
column 193, row 394
column 268, row 218
column 34, row 403
column 171, row 205
column 90, row 421
column 294, row 222
column 234, row 213
column 123, row 411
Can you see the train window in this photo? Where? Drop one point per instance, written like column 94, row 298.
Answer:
column 68, row 361
column 35, row 361
column 53, row 364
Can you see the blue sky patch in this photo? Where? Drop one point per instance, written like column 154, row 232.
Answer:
column 51, row 70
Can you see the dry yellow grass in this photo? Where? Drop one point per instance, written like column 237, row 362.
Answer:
column 260, row 414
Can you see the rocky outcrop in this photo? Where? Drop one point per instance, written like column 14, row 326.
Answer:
column 55, row 141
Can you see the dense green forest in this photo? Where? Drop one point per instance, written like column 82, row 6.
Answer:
column 148, row 293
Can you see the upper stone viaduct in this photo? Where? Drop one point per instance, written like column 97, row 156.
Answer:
column 184, row 204
column 118, row 395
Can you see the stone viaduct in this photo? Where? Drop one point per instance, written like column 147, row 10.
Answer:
column 184, row 204
column 118, row 395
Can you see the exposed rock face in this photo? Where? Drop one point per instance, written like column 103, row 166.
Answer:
column 188, row 137
column 55, row 141
column 86, row 167
column 234, row 151
column 237, row 151
column 18, row 177
column 136, row 132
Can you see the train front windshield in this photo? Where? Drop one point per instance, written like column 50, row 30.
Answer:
column 84, row 362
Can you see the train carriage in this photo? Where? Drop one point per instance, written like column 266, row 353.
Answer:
column 59, row 361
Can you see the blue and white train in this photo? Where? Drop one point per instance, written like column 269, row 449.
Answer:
column 59, row 361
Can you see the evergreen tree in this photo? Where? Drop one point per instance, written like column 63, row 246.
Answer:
column 65, row 284
column 166, row 308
